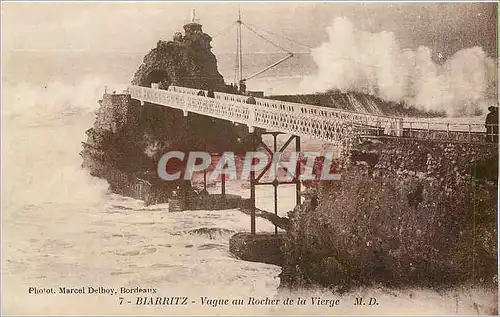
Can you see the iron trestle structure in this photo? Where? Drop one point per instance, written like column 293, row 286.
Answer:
column 336, row 126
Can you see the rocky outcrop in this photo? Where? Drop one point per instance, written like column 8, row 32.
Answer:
column 261, row 247
column 127, row 139
column 405, row 213
column 185, row 61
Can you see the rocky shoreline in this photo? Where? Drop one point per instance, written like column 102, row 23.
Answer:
column 405, row 213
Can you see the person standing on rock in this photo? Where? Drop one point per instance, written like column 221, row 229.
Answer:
column 492, row 124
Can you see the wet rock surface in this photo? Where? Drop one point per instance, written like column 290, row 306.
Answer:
column 261, row 247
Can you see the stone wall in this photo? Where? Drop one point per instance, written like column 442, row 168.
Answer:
column 114, row 112
column 404, row 213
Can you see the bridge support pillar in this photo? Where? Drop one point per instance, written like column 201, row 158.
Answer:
column 254, row 181
column 223, row 185
column 205, row 180
column 297, row 173
column 253, row 147
column 185, row 184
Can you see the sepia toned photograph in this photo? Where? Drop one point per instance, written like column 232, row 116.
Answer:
column 249, row 158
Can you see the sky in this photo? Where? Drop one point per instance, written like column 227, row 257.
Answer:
column 135, row 28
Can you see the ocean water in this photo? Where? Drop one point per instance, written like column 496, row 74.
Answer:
column 63, row 228
column 71, row 68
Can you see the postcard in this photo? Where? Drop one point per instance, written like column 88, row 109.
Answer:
column 268, row 158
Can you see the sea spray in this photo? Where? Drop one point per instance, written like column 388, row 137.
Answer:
column 375, row 63
column 42, row 127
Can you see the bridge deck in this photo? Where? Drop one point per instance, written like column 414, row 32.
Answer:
column 327, row 124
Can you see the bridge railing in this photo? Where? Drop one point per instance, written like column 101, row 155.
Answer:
column 432, row 135
column 278, row 105
column 443, row 125
column 453, row 131
column 440, row 131
column 329, row 124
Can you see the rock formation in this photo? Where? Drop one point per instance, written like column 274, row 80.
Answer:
column 405, row 213
column 128, row 139
column 185, row 61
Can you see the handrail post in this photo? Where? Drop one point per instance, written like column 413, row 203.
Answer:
column 186, row 104
column 399, row 127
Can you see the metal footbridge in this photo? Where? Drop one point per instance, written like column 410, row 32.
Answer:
column 336, row 126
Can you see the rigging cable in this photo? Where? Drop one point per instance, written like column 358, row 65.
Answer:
column 265, row 39
column 224, row 31
column 280, row 36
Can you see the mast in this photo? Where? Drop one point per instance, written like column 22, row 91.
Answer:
column 238, row 65
column 239, row 44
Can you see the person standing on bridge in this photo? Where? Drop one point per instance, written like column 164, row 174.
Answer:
column 492, row 125
column 251, row 100
column 243, row 87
